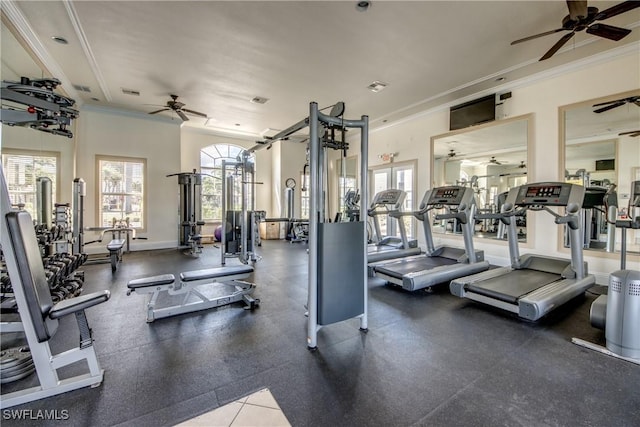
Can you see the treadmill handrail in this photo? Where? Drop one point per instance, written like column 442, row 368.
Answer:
column 398, row 214
column 374, row 211
column 504, row 217
column 460, row 216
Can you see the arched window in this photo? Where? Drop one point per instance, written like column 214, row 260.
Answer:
column 211, row 158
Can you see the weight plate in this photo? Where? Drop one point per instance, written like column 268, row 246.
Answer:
column 14, row 356
column 17, row 370
column 17, row 377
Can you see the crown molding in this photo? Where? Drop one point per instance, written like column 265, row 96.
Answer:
column 28, row 35
column 86, row 48
column 608, row 55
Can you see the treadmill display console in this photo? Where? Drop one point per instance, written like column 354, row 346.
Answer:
column 446, row 196
column 546, row 194
column 388, row 197
column 551, row 191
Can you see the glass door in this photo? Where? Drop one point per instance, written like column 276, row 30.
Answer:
column 403, row 180
column 401, row 177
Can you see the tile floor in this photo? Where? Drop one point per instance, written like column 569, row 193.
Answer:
column 256, row 410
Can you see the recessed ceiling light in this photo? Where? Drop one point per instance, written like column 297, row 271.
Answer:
column 363, row 5
column 59, row 39
column 377, row 86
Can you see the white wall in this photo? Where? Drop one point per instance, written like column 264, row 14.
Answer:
column 411, row 139
column 103, row 132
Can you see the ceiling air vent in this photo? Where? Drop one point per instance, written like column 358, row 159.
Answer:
column 81, row 88
column 377, row 86
column 131, row 92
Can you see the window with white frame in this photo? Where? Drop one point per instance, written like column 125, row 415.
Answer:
column 211, row 158
column 121, row 191
column 21, row 169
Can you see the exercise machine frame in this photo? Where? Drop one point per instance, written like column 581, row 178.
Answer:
column 329, row 300
column 248, row 224
column 38, row 315
column 190, row 221
column 187, row 286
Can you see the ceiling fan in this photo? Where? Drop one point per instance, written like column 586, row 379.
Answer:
column 177, row 107
column 582, row 17
column 494, row 161
column 616, row 103
column 632, row 133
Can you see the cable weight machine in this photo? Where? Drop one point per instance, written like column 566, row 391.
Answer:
column 239, row 225
column 337, row 281
column 190, row 222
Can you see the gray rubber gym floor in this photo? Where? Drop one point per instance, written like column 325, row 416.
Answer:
column 429, row 359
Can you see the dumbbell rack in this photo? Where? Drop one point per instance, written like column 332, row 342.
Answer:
column 65, row 281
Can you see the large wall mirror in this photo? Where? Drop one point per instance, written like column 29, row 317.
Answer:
column 600, row 148
column 24, row 149
column 490, row 158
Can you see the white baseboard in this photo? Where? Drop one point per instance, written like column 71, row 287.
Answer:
column 140, row 245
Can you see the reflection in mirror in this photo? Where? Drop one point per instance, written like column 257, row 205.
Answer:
column 28, row 153
column 601, row 152
column 491, row 159
column 347, row 172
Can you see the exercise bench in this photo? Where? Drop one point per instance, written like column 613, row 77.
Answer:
column 228, row 276
column 115, row 252
column 39, row 316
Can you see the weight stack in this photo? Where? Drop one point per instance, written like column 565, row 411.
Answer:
column 622, row 329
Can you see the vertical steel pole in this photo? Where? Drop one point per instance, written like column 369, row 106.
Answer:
column 223, row 234
column 364, row 175
column 79, row 193
column 244, row 258
column 315, row 190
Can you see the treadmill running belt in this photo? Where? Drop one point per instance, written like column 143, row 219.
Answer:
column 400, row 268
column 513, row 285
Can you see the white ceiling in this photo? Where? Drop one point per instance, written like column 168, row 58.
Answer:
column 218, row 55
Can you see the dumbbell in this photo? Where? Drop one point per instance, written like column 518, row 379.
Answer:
column 72, row 285
column 5, row 285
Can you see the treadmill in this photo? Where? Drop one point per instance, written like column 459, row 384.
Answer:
column 533, row 285
column 444, row 263
column 389, row 202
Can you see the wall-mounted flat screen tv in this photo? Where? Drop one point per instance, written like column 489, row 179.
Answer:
column 606, row 165
column 473, row 112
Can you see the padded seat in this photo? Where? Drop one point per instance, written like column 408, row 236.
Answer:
column 215, row 273
column 163, row 279
column 115, row 244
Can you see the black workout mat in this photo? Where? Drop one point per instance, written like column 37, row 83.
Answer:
column 513, row 285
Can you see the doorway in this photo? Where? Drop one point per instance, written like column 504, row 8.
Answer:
column 401, row 176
